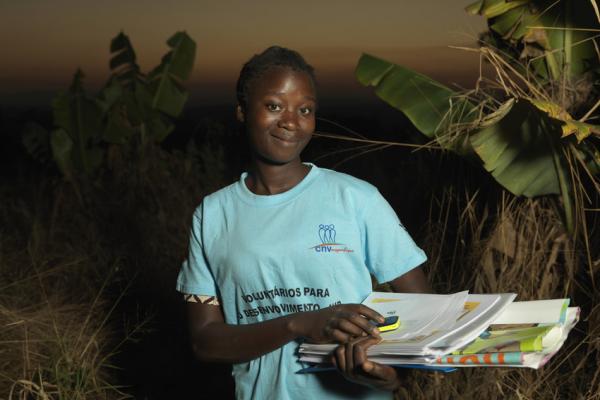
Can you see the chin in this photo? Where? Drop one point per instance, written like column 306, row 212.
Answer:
column 273, row 160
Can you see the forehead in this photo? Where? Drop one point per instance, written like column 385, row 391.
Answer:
column 282, row 80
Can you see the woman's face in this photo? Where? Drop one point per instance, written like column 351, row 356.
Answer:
column 279, row 115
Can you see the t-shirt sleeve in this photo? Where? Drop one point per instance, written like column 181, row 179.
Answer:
column 195, row 276
column 389, row 250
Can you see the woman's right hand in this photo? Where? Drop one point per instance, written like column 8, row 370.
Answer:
column 339, row 324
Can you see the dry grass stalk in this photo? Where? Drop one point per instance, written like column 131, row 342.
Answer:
column 54, row 351
column 58, row 331
column 515, row 245
column 54, row 340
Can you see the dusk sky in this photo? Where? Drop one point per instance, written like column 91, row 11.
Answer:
column 43, row 42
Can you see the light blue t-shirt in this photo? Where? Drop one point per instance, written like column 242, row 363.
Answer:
column 310, row 247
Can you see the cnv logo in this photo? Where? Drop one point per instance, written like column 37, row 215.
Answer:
column 328, row 244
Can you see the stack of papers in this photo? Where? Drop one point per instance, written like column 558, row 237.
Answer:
column 527, row 334
column 463, row 330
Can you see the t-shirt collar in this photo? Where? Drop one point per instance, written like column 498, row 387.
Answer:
column 275, row 199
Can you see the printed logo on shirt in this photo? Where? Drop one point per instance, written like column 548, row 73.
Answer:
column 328, row 244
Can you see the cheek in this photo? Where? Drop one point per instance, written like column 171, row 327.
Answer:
column 258, row 124
column 308, row 125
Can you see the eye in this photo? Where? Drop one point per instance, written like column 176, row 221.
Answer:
column 273, row 107
column 306, row 111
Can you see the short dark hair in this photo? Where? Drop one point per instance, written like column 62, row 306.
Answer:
column 274, row 56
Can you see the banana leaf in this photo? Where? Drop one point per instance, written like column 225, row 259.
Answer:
column 80, row 119
column 62, row 147
column 123, row 61
column 581, row 130
column 518, row 144
column 569, row 125
column 543, row 26
column 119, row 112
column 430, row 106
column 137, row 104
column 494, row 8
column 168, row 94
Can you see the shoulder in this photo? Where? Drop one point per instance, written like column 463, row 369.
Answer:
column 347, row 184
column 222, row 194
column 216, row 201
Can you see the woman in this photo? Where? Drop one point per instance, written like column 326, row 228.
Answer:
column 285, row 254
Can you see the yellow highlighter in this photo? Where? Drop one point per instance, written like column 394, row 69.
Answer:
column 389, row 324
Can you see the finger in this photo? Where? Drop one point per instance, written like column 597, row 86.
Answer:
column 340, row 336
column 351, row 328
column 356, row 353
column 380, row 372
column 369, row 313
column 360, row 349
column 361, row 309
column 340, row 358
column 349, row 356
column 363, row 324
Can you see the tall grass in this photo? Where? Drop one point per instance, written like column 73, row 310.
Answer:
column 500, row 243
column 84, row 283
column 56, row 350
column 55, row 342
column 85, row 272
column 482, row 238
column 514, row 245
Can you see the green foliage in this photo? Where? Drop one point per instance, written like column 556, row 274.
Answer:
column 519, row 146
column 525, row 134
column 144, row 105
column 175, row 67
column 131, row 107
column 513, row 142
column 77, row 313
column 538, row 32
column 430, row 106
column 76, row 139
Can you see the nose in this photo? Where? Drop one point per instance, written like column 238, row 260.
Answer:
column 288, row 121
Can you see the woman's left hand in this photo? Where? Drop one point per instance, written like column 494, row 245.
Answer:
column 351, row 361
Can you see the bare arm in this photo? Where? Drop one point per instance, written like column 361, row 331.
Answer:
column 351, row 357
column 216, row 341
column 414, row 281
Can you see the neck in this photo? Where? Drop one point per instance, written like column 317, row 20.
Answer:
column 269, row 179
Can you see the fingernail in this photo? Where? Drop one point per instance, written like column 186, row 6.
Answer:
column 367, row 366
column 381, row 319
column 375, row 332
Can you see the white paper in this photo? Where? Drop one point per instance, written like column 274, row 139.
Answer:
column 533, row 312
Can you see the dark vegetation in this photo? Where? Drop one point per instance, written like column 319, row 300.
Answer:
column 86, row 280
column 94, row 221
column 94, row 267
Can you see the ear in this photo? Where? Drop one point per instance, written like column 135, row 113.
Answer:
column 239, row 113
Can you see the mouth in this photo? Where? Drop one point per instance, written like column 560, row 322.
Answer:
column 289, row 141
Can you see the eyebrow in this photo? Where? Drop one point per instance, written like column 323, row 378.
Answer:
column 280, row 93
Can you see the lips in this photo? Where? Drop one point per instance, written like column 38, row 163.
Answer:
column 288, row 140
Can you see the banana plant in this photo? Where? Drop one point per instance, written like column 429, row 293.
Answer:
column 527, row 142
column 136, row 103
column 75, row 141
column 555, row 37
column 522, row 146
column 130, row 105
